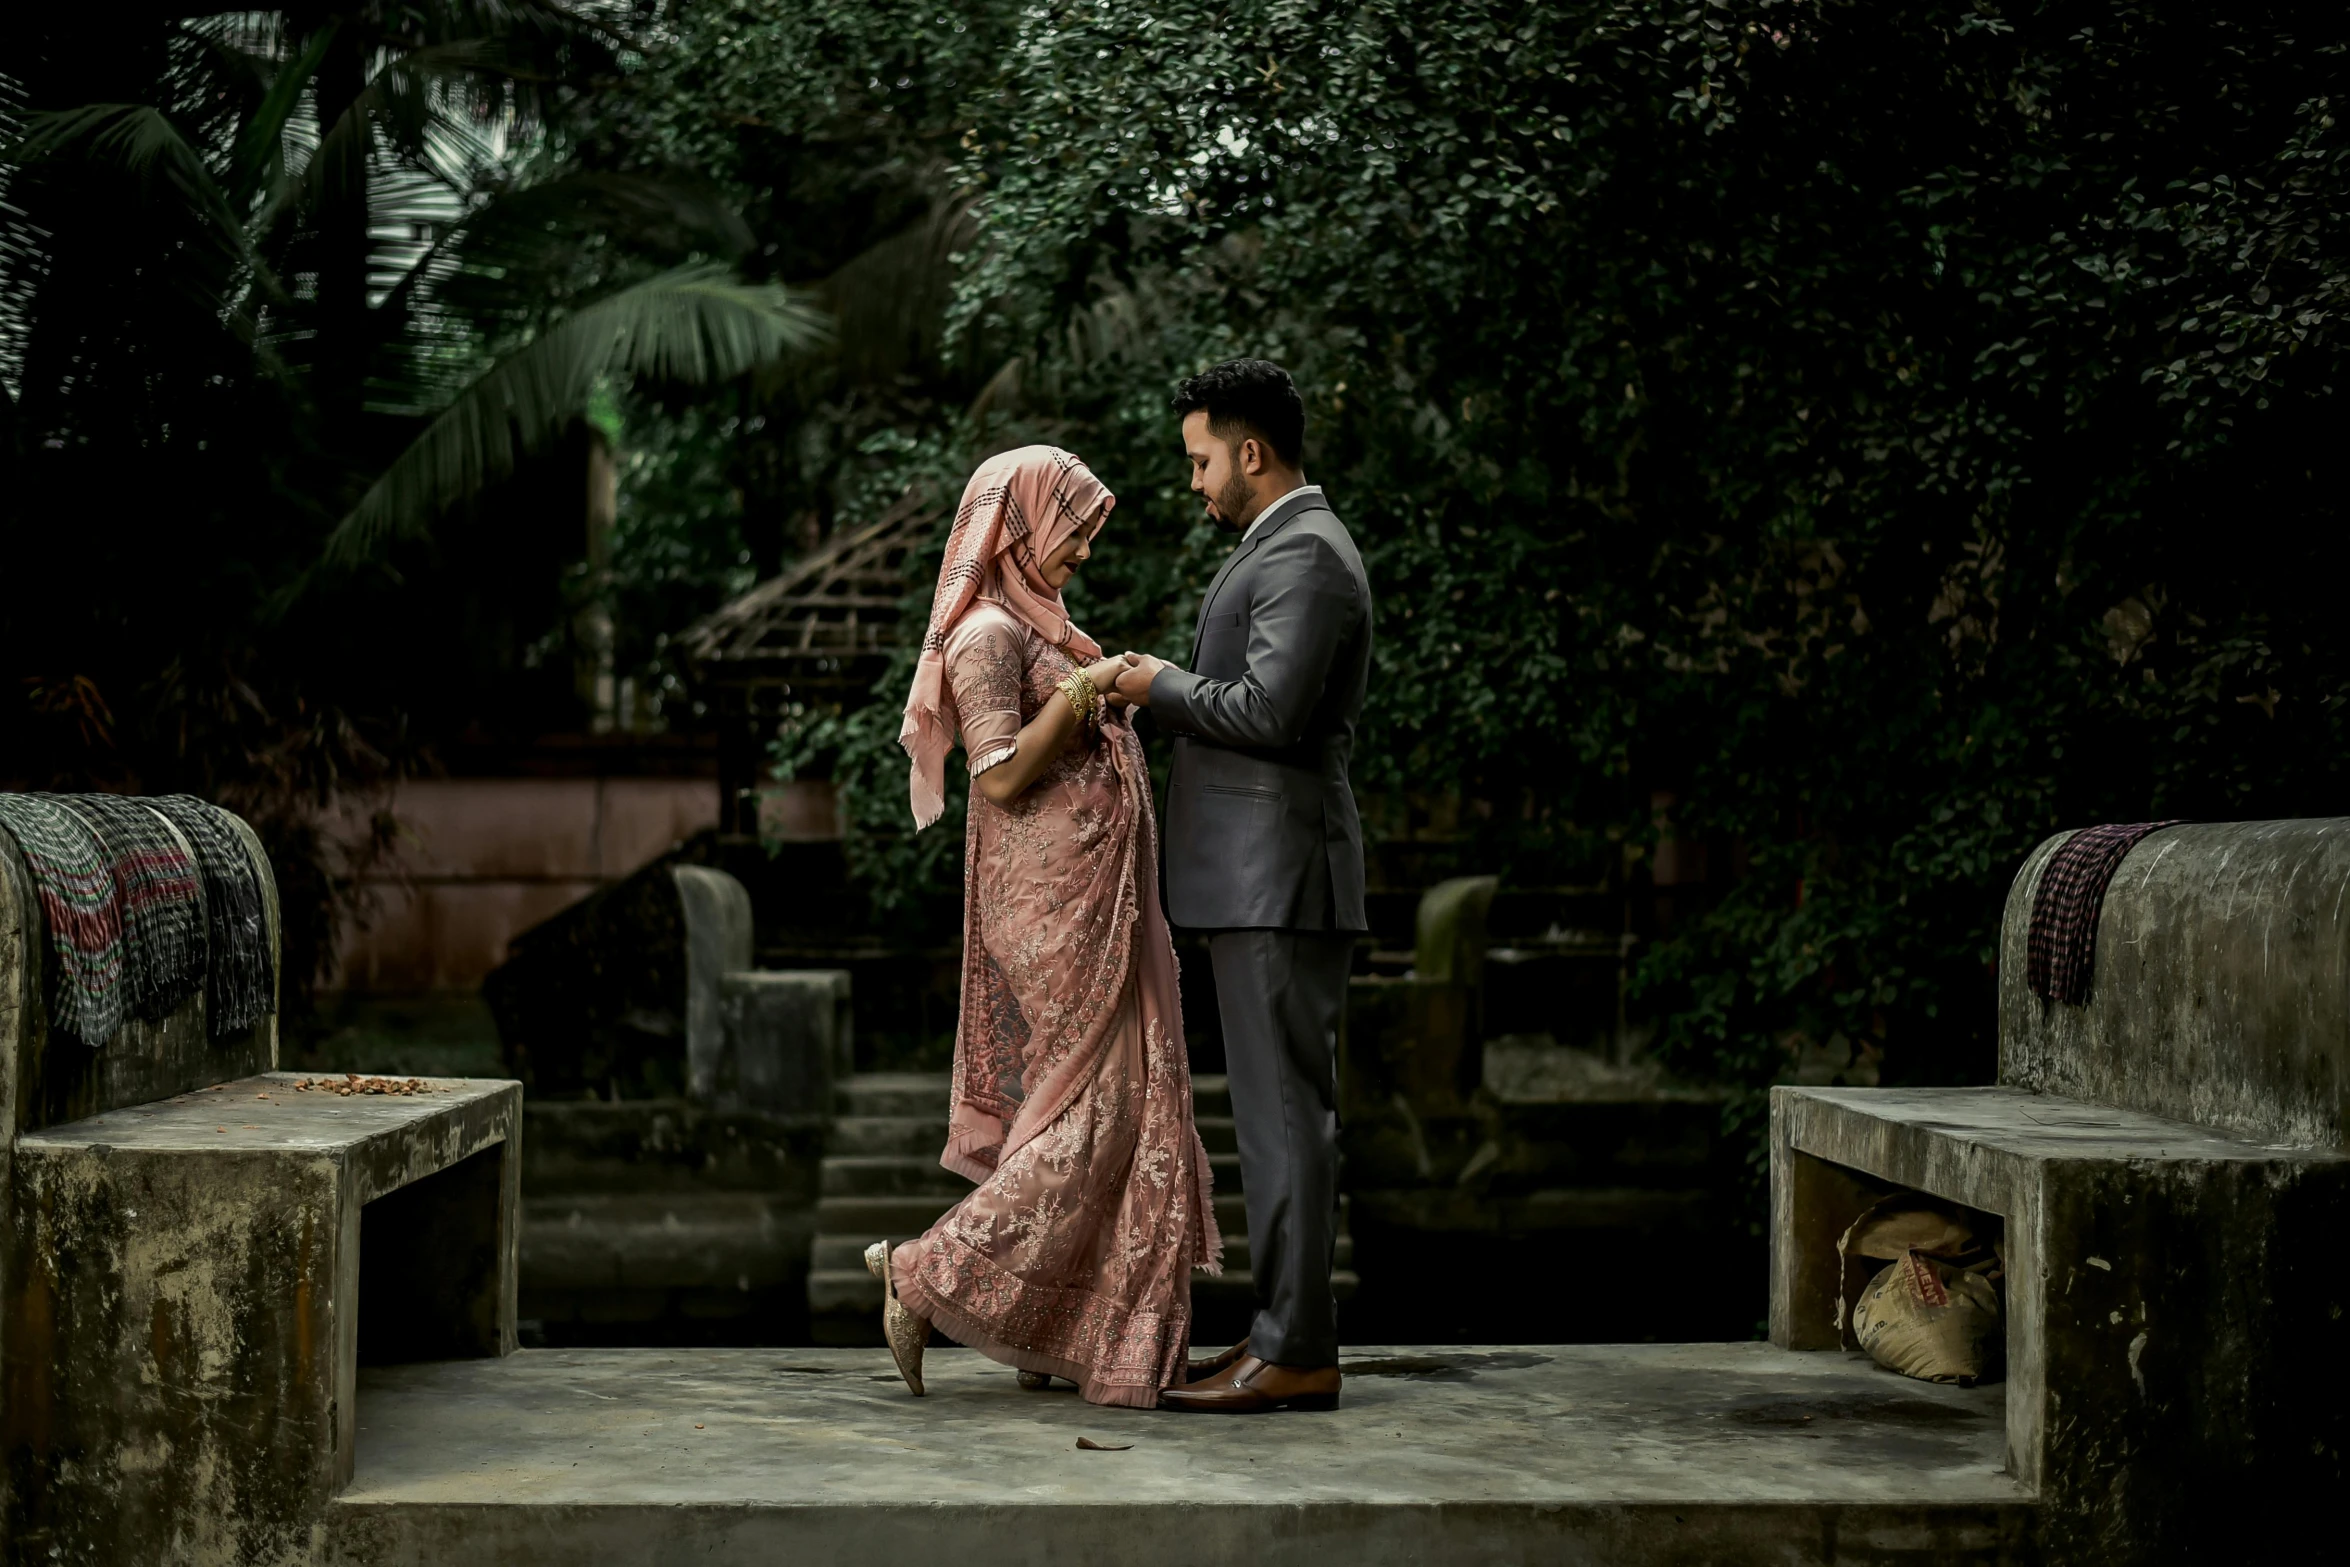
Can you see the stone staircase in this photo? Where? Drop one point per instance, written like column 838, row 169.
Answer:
column 882, row 1181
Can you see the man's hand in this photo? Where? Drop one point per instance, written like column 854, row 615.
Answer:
column 1134, row 684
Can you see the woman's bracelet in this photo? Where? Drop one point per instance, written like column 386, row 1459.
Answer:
column 1084, row 699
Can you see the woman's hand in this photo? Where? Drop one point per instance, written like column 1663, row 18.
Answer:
column 1046, row 736
column 1104, row 676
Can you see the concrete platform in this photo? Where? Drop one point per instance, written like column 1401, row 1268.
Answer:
column 1712, row 1453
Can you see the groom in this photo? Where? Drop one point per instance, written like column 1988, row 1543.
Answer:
column 1264, row 852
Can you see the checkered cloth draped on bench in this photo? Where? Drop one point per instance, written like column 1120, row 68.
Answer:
column 2062, row 941
column 139, row 914
column 241, row 978
column 162, row 903
column 82, row 906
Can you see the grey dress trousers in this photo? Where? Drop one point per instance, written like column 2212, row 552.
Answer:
column 1265, row 853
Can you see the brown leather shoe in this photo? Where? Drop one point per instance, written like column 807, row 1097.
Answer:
column 1198, row 1371
column 1254, row 1387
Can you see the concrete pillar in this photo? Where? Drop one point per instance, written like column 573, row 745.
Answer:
column 717, row 943
column 787, row 1036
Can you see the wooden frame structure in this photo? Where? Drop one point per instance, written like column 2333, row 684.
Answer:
column 821, row 632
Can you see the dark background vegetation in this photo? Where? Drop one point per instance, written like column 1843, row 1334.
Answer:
column 1856, row 439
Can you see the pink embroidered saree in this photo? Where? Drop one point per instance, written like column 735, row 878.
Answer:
column 1072, row 1092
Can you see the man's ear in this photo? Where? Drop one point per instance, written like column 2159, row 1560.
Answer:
column 1252, row 456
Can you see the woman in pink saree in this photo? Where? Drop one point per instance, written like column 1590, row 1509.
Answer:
column 1071, row 1090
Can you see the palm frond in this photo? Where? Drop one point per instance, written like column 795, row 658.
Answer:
column 261, row 141
column 518, row 258
column 23, row 258
column 143, row 140
column 134, row 136
column 891, row 298
column 1119, row 322
column 397, row 104
column 696, row 324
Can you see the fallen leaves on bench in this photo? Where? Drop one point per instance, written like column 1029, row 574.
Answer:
column 352, row 1083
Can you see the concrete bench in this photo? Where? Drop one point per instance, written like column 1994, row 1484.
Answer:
column 2166, row 1170
column 198, row 1255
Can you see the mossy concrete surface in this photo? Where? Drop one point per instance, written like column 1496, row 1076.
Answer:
column 1627, row 1454
column 193, row 1282
column 2221, row 993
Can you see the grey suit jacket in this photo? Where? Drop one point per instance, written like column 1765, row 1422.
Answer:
column 1261, row 830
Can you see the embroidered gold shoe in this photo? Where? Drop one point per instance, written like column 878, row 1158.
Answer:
column 906, row 1332
column 1035, row 1381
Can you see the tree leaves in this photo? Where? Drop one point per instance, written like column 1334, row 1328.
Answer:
column 1763, row 400
column 695, row 324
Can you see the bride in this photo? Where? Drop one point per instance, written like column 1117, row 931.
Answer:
column 1071, row 1102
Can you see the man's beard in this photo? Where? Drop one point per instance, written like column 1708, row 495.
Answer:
column 1231, row 501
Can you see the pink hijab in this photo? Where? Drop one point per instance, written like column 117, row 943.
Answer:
column 1019, row 507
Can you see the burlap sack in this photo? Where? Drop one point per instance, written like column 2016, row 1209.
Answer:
column 1931, row 1319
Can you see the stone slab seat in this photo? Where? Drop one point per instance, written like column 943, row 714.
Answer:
column 241, row 1250
column 195, row 1258
column 2168, row 1169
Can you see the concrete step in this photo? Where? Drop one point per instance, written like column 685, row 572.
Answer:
column 658, row 1241
column 846, row 1224
column 890, row 1175
column 1234, row 1288
column 1232, row 1214
column 1216, row 1133
column 843, row 1253
column 893, row 1094
column 1210, row 1095
column 842, row 1291
column 1590, row 1209
column 876, row 1218
column 846, row 1253
column 913, row 1136
column 1236, row 1250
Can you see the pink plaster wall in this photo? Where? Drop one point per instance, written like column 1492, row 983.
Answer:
column 483, row 859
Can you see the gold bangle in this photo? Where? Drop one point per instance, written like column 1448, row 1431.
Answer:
column 1084, row 700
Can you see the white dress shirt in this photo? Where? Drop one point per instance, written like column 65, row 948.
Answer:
column 1268, row 511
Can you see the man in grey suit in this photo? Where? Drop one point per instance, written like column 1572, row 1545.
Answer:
column 1264, row 852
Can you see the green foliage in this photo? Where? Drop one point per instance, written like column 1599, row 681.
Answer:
column 245, row 260
column 676, row 550
column 695, row 325
column 1886, row 434
column 1863, row 438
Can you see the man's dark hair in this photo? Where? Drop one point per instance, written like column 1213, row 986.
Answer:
column 1245, row 397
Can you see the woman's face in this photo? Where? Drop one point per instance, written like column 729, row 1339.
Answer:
column 1058, row 567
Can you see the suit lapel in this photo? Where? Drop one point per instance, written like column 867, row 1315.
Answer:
column 1306, row 499
column 1208, row 600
